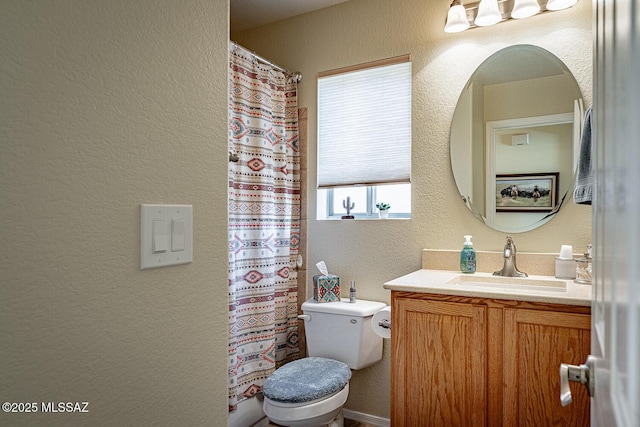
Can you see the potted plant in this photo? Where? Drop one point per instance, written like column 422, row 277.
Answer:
column 383, row 209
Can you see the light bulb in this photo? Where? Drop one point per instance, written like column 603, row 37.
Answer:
column 560, row 4
column 456, row 18
column 488, row 13
column 525, row 9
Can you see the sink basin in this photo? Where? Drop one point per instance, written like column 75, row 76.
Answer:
column 509, row 283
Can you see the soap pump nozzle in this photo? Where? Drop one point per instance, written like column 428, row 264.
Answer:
column 467, row 242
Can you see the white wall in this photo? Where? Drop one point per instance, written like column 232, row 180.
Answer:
column 105, row 105
column 528, row 98
column 550, row 149
column 357, row 31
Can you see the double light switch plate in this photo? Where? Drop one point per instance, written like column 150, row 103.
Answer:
column 166, row 235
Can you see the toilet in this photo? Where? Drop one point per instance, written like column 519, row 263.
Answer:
column 311, row 391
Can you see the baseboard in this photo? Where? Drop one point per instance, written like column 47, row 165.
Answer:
column 367, row 419
column 264, row 422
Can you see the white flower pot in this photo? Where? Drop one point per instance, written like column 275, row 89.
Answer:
column 383, row 214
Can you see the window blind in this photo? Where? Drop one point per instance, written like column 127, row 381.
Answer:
column 364, row 126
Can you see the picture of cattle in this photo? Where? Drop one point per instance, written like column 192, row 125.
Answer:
column 526, row 192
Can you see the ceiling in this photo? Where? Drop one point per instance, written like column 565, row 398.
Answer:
column 247, row 14
column 518, row 63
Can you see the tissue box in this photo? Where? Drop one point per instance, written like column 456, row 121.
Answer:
column 326, row 288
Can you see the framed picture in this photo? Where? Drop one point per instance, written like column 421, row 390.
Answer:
column 533, row 192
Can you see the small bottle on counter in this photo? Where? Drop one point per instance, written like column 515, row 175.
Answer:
column 467, row 257
column 583, row 268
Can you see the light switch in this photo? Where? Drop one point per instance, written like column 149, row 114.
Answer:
column 166, row 235
column 177, row 235
column 159, row 243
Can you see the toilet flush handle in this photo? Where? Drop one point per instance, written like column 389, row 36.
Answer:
column 385, row 323
column 304, row 317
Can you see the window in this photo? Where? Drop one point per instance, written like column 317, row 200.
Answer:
column 330, row 201
column 364, row 139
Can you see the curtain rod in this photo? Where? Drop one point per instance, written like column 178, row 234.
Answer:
column 296, row 75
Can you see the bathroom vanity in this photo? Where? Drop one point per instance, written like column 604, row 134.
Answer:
column 481, row 350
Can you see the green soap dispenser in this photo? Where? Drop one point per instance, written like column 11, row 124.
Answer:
column 467, row 257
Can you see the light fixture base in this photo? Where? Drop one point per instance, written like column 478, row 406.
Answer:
column 505, row 8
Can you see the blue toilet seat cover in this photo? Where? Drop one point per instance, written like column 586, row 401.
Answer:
column 307, row 379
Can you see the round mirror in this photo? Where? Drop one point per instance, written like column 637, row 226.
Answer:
column 515, row 138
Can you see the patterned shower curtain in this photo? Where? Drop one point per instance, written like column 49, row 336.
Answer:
column 264, row 223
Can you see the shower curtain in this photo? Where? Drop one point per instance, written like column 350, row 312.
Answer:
column 264, row 222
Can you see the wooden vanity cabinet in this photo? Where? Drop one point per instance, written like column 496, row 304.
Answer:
column 466, row 361
column 536, row 342
column 445, row 387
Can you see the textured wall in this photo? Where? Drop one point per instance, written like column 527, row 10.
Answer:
column 372, row 252
column 106, row 105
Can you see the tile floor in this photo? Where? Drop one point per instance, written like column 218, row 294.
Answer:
column 352, row 423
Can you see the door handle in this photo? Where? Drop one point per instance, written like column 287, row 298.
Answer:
column 582, row 374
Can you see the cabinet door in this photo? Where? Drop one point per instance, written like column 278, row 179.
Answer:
column 536, row 342
column 438, row 363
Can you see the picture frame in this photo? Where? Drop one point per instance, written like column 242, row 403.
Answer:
column 533, row 192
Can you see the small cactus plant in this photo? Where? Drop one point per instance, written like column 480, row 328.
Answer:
column 348, row 205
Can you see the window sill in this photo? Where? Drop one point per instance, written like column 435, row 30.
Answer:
column 372, row 218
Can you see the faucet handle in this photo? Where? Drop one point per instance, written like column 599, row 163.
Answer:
column 510, row 244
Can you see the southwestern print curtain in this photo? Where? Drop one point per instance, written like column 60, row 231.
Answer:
column 264, row 223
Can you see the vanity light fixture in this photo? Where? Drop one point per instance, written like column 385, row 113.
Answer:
column 525, row 8
column 560, row 4
column 456, row 18
column 490, row 12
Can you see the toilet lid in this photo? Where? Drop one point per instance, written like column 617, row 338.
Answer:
column 308, row 379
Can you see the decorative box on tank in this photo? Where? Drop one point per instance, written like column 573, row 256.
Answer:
column 326, row 288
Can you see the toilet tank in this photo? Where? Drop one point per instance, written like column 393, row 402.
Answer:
column 342, row 331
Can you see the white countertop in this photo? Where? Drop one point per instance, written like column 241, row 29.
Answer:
column 435, row 282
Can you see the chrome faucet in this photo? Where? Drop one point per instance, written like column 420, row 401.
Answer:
column 510, row 269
